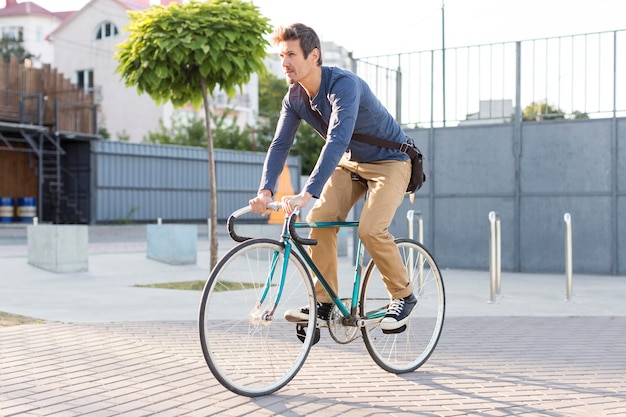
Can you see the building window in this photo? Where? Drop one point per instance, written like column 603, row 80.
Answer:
column 13, row 32
column 84, row 80
column 106, row 30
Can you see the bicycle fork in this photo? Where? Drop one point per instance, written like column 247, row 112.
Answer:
column 266, row 316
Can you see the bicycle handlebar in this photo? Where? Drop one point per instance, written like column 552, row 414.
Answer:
column 292, row 230
column 274, row 205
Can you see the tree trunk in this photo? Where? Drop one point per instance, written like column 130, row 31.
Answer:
column 212, row 181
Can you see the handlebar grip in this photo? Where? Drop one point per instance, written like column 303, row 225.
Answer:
column 230, row 225
column 292, row 231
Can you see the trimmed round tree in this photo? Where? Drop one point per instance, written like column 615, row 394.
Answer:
column 184, row 52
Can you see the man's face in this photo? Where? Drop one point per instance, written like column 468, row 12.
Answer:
column 295, row 66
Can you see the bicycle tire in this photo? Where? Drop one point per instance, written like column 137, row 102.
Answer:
column 247, row 354
column 408, row 350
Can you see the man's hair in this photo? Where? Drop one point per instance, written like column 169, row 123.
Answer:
column 297, row 31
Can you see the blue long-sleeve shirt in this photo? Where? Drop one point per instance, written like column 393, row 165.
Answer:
column 347, row 104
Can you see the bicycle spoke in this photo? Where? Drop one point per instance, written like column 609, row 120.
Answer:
column 409, row 349
column 247, row 353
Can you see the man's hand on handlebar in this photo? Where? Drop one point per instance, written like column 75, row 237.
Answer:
column 259, row 203
column 290, row 202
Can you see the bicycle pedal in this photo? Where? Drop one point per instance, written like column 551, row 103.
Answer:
column 301, row 333
column 395, row 331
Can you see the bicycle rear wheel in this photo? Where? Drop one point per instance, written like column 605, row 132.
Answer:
column 247, row 352
column 408, row 350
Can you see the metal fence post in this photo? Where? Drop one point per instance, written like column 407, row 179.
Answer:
column 568, row 256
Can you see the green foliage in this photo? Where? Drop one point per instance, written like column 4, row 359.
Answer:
column 123, row 136
column 228, row 135
column 104, row 133
column 538, row 111
column 14, row 48
column 170, row 49
column 271, row 92
column 186, row 130
column 189, row 130
column 580, row 115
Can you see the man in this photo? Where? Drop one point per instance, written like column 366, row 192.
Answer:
column 347, row 106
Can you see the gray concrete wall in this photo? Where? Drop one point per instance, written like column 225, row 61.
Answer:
column 556, row 167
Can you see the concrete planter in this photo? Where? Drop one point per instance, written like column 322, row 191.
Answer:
column 58, row 248
column 174, row 244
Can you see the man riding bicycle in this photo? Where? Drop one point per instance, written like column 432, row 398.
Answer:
column 346, row 169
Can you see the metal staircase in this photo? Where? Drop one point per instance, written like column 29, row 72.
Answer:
column 59, row 192
column 60, row 189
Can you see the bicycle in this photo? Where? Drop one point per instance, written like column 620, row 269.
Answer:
column 253, row 351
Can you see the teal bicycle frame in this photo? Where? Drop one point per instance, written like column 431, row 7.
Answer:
column 290, row 240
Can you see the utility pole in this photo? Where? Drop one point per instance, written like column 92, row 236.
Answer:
column 443, row 59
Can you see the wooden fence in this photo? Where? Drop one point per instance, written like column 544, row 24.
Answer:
column 42, row 96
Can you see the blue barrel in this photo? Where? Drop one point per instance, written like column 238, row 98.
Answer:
column 7, row 209
column 26, row 209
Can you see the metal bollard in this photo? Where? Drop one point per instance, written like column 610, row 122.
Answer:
column 494, row 256
column 411, row 216
column 568, row 256
column 498, row 256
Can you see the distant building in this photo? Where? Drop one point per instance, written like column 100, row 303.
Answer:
column 491, row 112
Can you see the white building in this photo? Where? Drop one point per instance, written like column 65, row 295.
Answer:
column 31, row 23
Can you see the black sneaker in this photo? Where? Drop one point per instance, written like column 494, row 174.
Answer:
column 398, row 313
column 300, row 315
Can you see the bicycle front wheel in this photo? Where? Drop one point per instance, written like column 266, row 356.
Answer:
column 247, row 344
column 408, row 350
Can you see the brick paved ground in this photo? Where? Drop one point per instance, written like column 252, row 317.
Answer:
column 528, row 354
column 483, row 366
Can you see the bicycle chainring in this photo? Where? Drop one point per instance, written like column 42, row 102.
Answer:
column 340, row 332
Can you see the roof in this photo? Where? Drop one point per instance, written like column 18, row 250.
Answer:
column 26, row 8
column 134, row 4
column 126, row 4
column 64, row 15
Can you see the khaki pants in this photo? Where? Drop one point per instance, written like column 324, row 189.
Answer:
column 386, row 186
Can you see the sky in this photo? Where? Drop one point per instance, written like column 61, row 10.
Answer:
column 381, row 27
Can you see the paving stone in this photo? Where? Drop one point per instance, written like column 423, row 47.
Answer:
column 488, row 366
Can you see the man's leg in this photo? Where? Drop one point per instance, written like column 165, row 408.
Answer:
column 387, row 182
column 340, row 193
column 337, row 198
